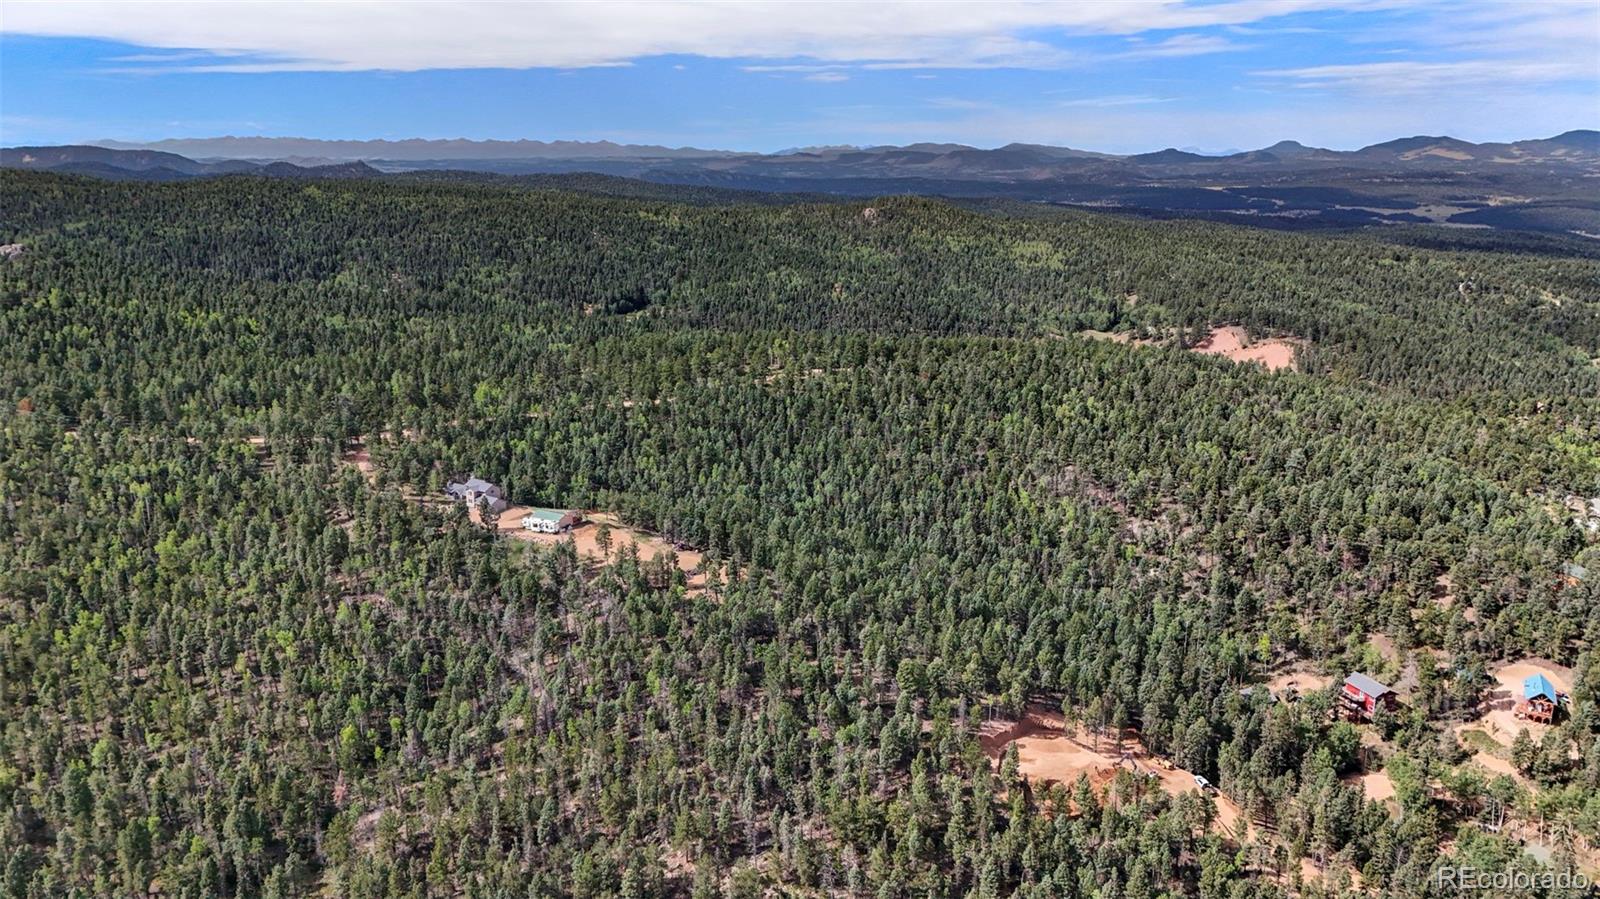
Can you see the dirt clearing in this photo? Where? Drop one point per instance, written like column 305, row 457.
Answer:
column 1114, row 337
column 1234, row 343
column 586, row 538
column 1488, row 752
column 1300, row 679
column 1378, row 786
column 1496, row 765
column 357, row 457
column 1228, row 341
column 1047, row 752
column 1499, row 721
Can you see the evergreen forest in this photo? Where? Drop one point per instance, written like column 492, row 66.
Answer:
column 945, row 465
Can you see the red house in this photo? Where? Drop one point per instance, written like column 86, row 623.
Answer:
column 1361, row 696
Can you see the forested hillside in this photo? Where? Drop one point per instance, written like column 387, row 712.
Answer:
column 233, row 664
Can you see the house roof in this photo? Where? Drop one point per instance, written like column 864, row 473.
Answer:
column 472, row 485
column 1574, row 570
column 1539, row 685
column 1367, row 685
column 554, row 515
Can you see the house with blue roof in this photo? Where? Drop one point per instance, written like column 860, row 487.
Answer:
column 1540, row 699
column 1539, row 685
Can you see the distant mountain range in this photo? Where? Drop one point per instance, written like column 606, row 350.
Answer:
column 155, row 165
column 415, row 149
column 1010, row 161
column 1547, row 184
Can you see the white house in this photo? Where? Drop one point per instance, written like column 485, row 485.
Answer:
column 551, row 521
column 476, row 491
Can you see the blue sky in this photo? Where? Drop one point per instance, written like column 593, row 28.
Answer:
column 1114, row 75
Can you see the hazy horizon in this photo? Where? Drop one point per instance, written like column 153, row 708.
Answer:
column 1116, row 77
column 1205, row 151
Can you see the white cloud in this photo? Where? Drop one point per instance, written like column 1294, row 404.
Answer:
column 959, row 103
column 1472, row 46
column 1407, row 77
column 1182, row 45
column 1119, row 100
column 794, row 67
column 1487, row 69
column 348, row 35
